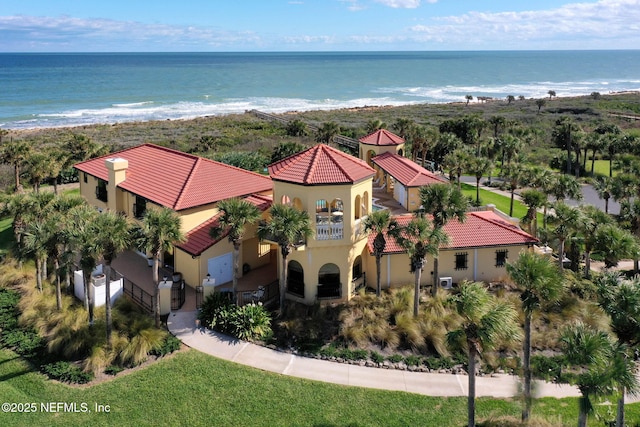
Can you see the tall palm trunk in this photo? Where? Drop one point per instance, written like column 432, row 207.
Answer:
column 56, row 267
column 39, row 273
column 620, row 414
column 434, row 288
column 236, row 269
column 88, row 302
column 587, row 264
column 378, row 269
column 416, row 292
column 156, row 292
column 283, row 283
column 107, row 301
column 526, row 363
column 583, row 403
column 561, row 255
column 471, row 395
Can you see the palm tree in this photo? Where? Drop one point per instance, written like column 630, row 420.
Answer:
column 592, row 219
column 456, row 162
column 157, row 233
column 419, row 239
column 533, row 199
column 551, row 93
column 620, row 299
column 403, row 127
column 478, row 166
column 35, row 238
column 445, row 202
column 540, row 103
column 486, row 322
column 469, row 98
column 614, row 244
column 326, row 133
column 510, row 99
column 539, row 282
column 604, row 188
column 379, row 222
column 236, row 215
column 566, row 219
column 514, row 177
column 630, row 219
column 287, row 227
column 374, row 125
column 597, row 366
column 15, row 153
column 112, row 236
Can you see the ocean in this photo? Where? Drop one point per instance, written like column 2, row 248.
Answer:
column 53, row 90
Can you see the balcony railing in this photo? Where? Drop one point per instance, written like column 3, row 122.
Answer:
column 331, row 231
column 358, row 283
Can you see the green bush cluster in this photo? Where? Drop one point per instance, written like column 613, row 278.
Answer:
column 548, row 368
column 169, row 345
column 67, row 372
column 249, row 322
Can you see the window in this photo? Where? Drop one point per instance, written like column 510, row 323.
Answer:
column 462, row 261
column 501, row 258
column 101, row 190
column 295, row 279
column 84, row 178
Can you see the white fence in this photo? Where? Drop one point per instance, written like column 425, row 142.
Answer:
column 97, row 289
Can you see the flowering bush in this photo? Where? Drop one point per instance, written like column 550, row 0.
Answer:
column 249, row 322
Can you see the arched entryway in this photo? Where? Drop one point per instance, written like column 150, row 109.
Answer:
column 329, row 285
column 295, row 279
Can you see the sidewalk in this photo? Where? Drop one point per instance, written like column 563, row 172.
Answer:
column 183, row 325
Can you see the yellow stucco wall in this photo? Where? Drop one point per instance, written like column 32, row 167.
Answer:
column 481, row 266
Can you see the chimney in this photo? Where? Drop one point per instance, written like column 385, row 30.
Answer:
column 117, row 168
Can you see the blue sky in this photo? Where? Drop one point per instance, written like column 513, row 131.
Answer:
column 316, row 25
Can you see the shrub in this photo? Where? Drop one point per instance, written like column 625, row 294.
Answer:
column 8, row 309
column 169, row 345
column 547, row 368
column 250, row 322
column 395, row 358
column 376, row 357
column 67, row 372
column 214, row 312
column 413, row 360
column 113, row 370
column 25, row 342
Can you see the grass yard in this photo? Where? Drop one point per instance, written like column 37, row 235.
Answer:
column 501, row 202
column 6, row 235
column 191, row 388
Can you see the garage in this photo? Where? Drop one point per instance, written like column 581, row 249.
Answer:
column 220, row 268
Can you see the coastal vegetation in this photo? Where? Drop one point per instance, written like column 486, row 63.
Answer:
column 526, row 144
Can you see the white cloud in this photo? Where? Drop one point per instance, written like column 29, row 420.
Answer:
column 400, row 4
column 577, row 25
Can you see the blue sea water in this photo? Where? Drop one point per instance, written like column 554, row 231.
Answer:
column 51, row 90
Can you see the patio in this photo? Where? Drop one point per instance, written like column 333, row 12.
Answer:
column 138, row 276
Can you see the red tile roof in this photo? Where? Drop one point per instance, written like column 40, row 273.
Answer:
column 199, row 240
column 382, row 137
column 480, row 229
column 320, row 165
column 406, row 171
column 178, row 180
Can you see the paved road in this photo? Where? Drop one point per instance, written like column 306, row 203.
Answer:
column 183, row 325
column 589, row 195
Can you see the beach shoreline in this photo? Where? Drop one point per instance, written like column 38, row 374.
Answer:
column 475, row 105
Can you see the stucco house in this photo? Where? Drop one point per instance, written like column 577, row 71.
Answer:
column 334, row 188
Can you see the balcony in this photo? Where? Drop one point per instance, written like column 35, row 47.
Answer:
column 331, row 231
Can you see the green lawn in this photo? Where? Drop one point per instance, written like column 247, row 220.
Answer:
column 501, row 202
column 191, row 388
column 6, row 234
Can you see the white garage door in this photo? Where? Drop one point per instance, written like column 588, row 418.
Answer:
column 400, row 194
column 221, row 268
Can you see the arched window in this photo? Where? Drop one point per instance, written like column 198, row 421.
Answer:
column 297, row 203
column 357, row 268
column 400, row 152
column 370, row 154
column 364, row 205
column 357, row 209
column 329, row 285
column 285, row 200
column 295, row 278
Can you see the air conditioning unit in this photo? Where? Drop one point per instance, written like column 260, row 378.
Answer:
column 99, row 280
column 446, row 282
